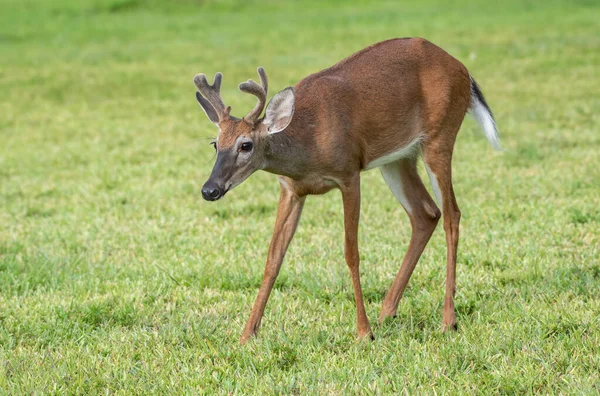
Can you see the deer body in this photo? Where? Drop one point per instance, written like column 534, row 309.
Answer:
column 380, row 107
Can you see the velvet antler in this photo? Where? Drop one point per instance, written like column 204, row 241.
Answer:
column 211, row 94
column 260, row 91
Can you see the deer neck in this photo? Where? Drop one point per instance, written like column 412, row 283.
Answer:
column 287, row 154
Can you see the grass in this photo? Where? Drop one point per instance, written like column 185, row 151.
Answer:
column 115, row 277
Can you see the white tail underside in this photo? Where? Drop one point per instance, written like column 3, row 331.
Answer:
column 486, row 122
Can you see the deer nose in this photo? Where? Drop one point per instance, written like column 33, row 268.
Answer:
column 211, row 192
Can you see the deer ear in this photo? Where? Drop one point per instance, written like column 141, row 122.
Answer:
column 280, row 111
column 208, row 109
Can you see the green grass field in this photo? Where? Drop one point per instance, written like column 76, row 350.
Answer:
column 116, row 277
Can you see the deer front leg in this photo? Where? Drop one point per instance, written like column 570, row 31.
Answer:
column 288, row 215
column 351, row 198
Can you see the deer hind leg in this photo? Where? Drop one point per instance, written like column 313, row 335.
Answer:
column 406, row 185
column 438, row 158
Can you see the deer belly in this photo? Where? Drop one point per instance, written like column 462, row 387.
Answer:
column 409, row 150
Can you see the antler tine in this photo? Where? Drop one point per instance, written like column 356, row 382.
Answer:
column 263, row 79
column 212, row 92
column 260, row 91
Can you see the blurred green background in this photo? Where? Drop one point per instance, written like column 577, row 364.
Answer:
column 116, row 277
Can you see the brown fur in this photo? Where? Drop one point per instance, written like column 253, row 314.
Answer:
column 370, row 104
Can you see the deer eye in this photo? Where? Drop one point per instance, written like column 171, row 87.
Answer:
column 246, row 146
column 214, row 144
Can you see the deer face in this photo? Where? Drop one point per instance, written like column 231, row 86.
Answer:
column 241, row 143
column 240, row 152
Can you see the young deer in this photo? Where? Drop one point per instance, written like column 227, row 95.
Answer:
column 379, row 108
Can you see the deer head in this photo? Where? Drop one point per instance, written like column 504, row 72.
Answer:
column 241, row 143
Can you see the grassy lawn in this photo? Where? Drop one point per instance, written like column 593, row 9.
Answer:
column 116, row 277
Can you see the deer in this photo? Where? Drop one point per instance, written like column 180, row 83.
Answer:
column 382, row 107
